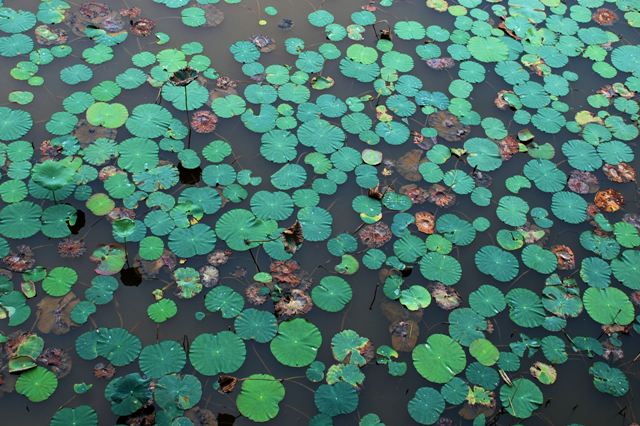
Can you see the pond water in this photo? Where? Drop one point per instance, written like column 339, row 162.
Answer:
column 518, row 328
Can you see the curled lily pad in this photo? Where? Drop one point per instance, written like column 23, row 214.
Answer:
column 179, row 391
column 127, row 394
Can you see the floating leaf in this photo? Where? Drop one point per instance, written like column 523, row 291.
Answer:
column 339, row 398
column 37, row 384
column 521, row 398
column 260, row 326
column 426, row 406
column 212, row 354
column 331, row 294
column 608, row 306
column 609, row 379
column 80, row 415
column 165, row 357
column 439, row 359
column 259, row 397
column 296, row 343
column 162, row 310
column 127, row 394
column 107, row 115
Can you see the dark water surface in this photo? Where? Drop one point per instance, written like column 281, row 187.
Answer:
column 572, row 399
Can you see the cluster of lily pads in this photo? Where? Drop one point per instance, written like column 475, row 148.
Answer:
column 179, row 205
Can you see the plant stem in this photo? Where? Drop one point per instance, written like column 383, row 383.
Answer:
column 255, row 262
column 126, row 255
column 186, row 107
column 261, row 241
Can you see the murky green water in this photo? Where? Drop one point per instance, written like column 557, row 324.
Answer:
column 572, row 399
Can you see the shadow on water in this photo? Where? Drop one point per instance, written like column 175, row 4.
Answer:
column 79, row 222
column 131, row 276
column 189, row 176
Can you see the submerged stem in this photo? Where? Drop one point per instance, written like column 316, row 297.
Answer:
column 186, row 107
column 126, row 254
column 255, row 262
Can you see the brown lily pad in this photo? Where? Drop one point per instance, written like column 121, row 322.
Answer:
column 425, row 222
column 54, row 314
column 408, row 164
column 448, row 126
column 609, row 200
column 404, row 335
column 620, row 173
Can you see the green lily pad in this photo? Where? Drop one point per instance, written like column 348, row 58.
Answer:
column 259, row 397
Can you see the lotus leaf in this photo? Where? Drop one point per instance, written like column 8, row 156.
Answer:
column 336, row 399
column 521, row 398
column 609, row 380
column 165, row 357
column 331, row 294
column 259, row 397
column 212, row 354
column 37, row 384
column 255, row 324
column 426, row 406
column 296, row 343
column 80, row 415
column 439, row 359
column 127, row 394
column 608, row 306
column 181, row 392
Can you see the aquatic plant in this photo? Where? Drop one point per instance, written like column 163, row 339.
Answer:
column 461, row 175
